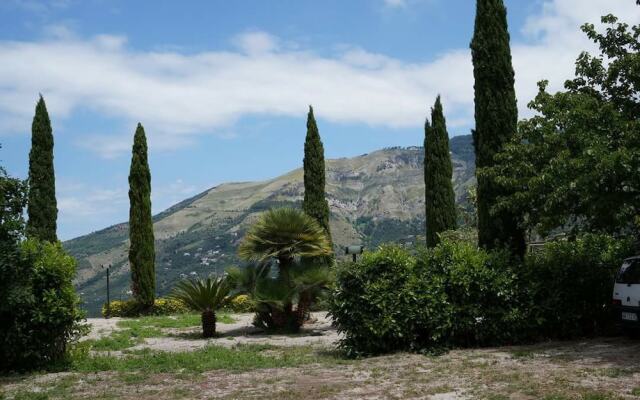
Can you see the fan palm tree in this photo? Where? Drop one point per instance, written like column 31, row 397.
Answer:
column 283, row 234
column 310, row 279
column 205, row 296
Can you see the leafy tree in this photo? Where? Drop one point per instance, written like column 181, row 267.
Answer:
column 575, row 164
column 14, row 282
column 440, row 201
column 284, row 235
column 205, row 296
column 42, row 206
column 38, row 304
column 315, row 204
column 496, row 117
column 141, row 250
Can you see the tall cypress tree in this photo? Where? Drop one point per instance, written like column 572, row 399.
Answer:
column 496, row 116
column 440, row 200
column 315, row 204
column 141, row 248
column 42, row 206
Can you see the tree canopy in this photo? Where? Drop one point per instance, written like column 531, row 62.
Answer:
column 576, row 163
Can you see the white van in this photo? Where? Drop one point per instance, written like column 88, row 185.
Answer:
column 626, row 293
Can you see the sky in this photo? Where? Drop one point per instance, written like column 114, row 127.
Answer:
column 223, row 87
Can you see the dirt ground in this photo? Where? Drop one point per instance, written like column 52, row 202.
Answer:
column 318, row 333
column 593, row 369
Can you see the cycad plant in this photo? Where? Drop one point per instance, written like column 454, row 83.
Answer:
column 206, row 296
column 286, row 236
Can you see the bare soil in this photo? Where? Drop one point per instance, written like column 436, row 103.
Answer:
column 318, row 332
column 601, row 368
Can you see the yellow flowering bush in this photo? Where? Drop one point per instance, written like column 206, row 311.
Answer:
column 130, row 308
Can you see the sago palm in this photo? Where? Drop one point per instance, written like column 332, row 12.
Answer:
column 205, row 296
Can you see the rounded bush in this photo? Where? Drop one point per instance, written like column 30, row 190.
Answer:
column 44, row 317
column 383, row 303
column 241, row 304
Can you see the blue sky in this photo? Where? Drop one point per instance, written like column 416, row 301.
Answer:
column 222, row 87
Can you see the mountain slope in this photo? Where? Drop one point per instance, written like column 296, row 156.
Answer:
column 374, row 198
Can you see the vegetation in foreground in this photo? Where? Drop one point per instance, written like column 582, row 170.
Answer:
column 458, row 295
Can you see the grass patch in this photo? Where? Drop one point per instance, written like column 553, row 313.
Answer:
column 239, row 358
column 598, row 396
column 618, row 372
column 522, row 354
column 636, row 391
column 58, row 389
column 123, row 339
column 27, row 395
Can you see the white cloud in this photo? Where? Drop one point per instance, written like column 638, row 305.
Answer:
column 81, row 206
column 395, row 3
column 256, row 43
column 177, row 95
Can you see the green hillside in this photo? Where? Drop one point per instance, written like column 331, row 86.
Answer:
column 374, row 198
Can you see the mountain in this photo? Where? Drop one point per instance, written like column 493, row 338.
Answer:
column 374, row 198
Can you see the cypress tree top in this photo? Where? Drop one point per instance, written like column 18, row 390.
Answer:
column 315, row 204
column 141, row 248
column 440, row 200
column 42, row 205
column 496, row 111
column 496, row 116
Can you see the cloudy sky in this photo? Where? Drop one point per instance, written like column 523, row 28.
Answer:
column 222, row 87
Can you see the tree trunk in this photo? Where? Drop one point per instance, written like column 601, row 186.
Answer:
column 302, row 312
column 208, row 323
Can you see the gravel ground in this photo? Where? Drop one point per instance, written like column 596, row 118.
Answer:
column 318, row 332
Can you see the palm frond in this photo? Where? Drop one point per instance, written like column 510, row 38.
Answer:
column 284, row 232
column 309, row 276
column 202, row 294
column 273, row 292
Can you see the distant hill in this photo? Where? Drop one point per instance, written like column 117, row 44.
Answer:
column 374, row 198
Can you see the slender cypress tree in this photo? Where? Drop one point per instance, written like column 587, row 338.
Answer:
column 440, row 200
column 42, row 206
column 315, row 204
column 141, row 248
column 496, row 116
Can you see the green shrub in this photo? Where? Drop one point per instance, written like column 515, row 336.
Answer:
column 453, row 294
column 569, row 285
column 481, row 293
column 458, row 295
column 382, row 303
column 45, row 318
column 131, row 308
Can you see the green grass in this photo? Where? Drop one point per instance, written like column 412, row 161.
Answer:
column 240, row 358
column 123, row 339
column 636, row 391
column 522, row 354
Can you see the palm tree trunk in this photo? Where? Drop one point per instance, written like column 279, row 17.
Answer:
column 304, row 303
column 208, row 323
